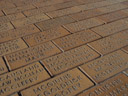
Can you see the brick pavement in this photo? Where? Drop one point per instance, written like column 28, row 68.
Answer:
column 63, row 47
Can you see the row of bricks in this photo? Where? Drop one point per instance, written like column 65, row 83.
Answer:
column 41, row 17
column 26, row 55
column 58, row 6
column 68, row 83
column 68, row 42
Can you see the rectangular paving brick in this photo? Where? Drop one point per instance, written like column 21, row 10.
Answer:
column 3, row 67
column 18, row 9
column 29, row 55
column 30, row 20
column 6, row 5
column 112, row 8
column 11, row 46
column 111, row 28
column 76, row 39
column 22, row 78
column 48, row 24
column 44, row 36
column 50, row 8
column 83, row 25
column 125, row 49
column 116, row 86
column 11, row 17
column 63, row 12
column 69, row 59
column 111, row 43
column 67, row 84
column 86, row 14
column 95, row 5
column 5, row 26
column 49, row 2
column 106, row 66
column 19, row 32
column 113, row 16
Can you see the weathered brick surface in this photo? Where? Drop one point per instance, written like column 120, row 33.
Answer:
column 48, row 24
column 29, row 55
column 16, row 33
column 76, row 39
column 111, row 43
column 83, row 25
column 44, row 36
column 69, row 59
column 111, row 28
column 18, row 9
column 63, row 47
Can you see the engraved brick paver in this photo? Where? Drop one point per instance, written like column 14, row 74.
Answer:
column 117, row 85
column 22, row 78
column 11, row 17
column 18, row 9
column 86, row 14
column 113, row 16
column 83, row 25
column 44, row 36
column 30, row 20
column 111, row 28
column 63, row 47
column 106, row 66
column 48, row 24
column 12, row 46
column 111, row 43
column 69, row 59
column 5, row 26
column 3, row 67
column 76, row 39
column 19, row 32
column 67, row 84
column 29, row 55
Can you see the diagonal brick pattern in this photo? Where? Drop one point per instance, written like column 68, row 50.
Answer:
column 63, row 47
